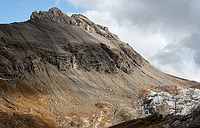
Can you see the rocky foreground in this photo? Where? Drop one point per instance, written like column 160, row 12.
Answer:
column 61, row 71
column 181, row 101
column 191, row 120
column 184, row 109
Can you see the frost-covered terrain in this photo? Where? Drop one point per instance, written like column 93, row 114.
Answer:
column 181, row 103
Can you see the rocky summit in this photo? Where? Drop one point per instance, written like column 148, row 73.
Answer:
column 61, row 71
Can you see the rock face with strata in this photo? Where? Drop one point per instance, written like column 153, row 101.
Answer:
column 61, row 71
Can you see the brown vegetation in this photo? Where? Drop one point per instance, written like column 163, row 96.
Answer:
column 143, row 93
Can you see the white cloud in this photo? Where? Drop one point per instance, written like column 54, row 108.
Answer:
column 165, row 32
column 131, row 34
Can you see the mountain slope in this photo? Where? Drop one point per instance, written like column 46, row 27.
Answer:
column 61, row 71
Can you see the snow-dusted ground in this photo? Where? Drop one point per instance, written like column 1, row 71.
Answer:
column 186, row 100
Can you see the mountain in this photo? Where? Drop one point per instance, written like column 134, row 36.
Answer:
column 61, row 71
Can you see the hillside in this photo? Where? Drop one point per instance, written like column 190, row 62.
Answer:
column 61, row 71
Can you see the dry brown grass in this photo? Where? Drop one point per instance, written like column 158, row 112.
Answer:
column 173, row 90
column 22, row 105
column 144, row 93
column 24, row 99
column 184, row 83
column 147, row 122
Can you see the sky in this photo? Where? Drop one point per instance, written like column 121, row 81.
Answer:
column 165, row 32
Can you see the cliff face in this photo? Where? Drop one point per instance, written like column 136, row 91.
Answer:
column 59, row 71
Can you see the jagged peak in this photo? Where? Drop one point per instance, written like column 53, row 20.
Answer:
column 54, row 10
column 56, row 15
column 91, row 27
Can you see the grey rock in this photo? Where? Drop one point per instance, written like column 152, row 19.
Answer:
column 176, row 124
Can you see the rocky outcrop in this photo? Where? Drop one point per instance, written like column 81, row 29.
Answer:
column 181, row 102
column 90, row 26
column 54, row 14
column 189, row 121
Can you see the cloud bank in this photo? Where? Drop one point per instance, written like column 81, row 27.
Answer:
column 165, row 32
